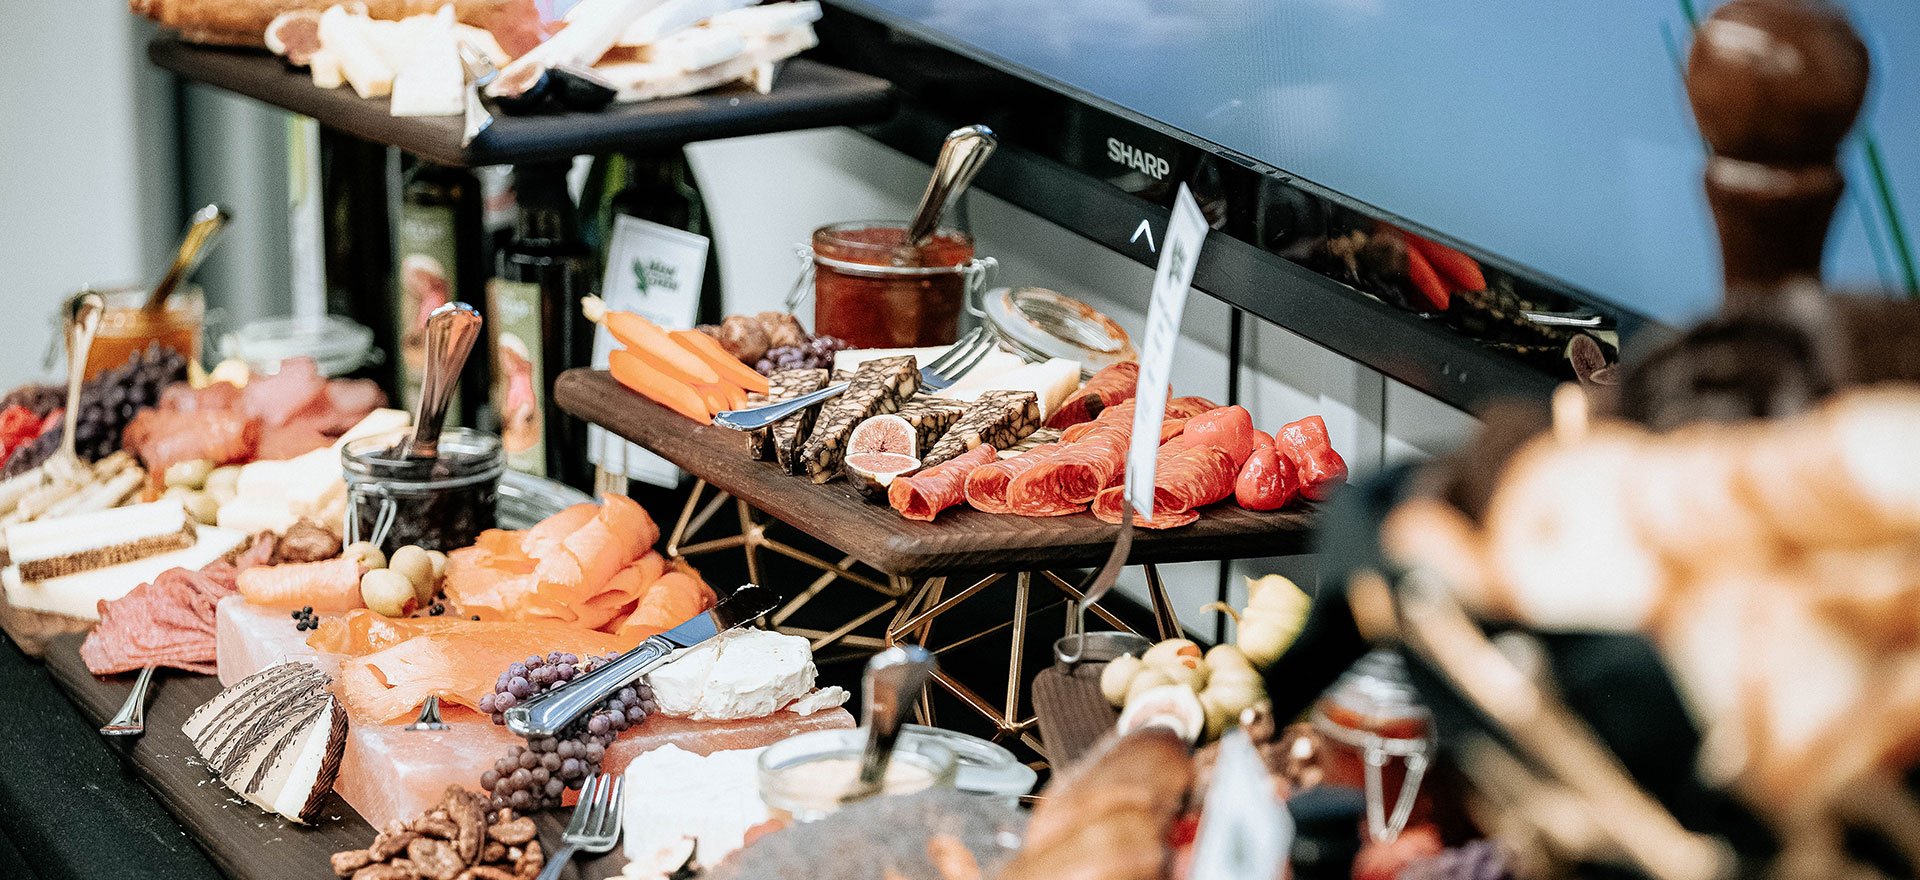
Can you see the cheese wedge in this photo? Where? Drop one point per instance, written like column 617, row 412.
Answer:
column 1052, row 382
column 79, row 595
column 349, row 38
column 746, row 673
column 275, row 738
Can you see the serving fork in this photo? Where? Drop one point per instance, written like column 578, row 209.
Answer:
column 936, row 376
column 595, row 826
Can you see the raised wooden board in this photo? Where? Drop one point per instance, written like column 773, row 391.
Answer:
column 806, row 95
column 961, row 540
column 243, row 841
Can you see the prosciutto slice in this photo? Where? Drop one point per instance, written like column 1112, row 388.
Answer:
column 923, row 495
column 987, row 485
column 1188, row 475
column 1110, row 387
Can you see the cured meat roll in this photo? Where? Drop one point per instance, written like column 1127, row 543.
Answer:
column 1109, row 387
column 1187, row 476
column 923, row 495
column 987, row 485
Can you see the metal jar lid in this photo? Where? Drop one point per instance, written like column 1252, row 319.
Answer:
column 1039, row 324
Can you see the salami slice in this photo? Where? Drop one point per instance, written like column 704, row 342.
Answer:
column 1110, row 387
column 169, row 622
column 987, row 484
column 1187, row 476
column 1188, row 407
column 923, row 495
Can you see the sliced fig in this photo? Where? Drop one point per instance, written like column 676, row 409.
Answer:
column 885, row 433
column 870, row 473
column 582, row 89
column 295, row 36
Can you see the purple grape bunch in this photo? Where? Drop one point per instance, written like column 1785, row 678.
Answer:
column 816, row 354
column 537, row 775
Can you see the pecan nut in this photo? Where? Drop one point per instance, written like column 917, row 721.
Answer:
column 441, row 828
column 528, row 864
column 470, row 821
column 494, row 852
column 486, row 872
column 435, row 859
column 385, row 872
column 346, row 863
column 514, row 833
column 390, row 844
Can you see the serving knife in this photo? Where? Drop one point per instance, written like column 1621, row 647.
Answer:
column 548, row 713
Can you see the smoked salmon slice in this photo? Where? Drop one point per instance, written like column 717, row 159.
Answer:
column 577, row 567
column 333, row 585
column 458, row 663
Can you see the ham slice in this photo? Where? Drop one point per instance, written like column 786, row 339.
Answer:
column 923, row 495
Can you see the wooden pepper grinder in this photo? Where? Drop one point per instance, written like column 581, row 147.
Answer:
column 1775, row 85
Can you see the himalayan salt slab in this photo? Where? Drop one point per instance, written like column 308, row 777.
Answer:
column 391, row 773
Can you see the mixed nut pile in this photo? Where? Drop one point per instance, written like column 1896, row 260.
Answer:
column 455, row 841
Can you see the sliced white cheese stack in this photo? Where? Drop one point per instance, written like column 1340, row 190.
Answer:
column 275, row 737
column 710, row 801
column 747, row 673
column 273, row 495
column 1053, row 381
column 79, row 595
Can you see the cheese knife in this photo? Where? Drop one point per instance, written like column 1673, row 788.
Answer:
column 548, row 713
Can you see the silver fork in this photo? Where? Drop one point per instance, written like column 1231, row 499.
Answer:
column 131, row 720
column 941, row 373
column 595, row 826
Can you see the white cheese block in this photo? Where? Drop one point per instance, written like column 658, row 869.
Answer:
column 349, row 38
column 79, row 595
column 997, row 362
column 253, row 515
column 1053, row 382
column 819, row 701
column 325, row 67
column 747, row 673
column 673, row 16
column 67, row 535
column 677, row 795
column 769, row 19
column 697, row 48
column 432, row 81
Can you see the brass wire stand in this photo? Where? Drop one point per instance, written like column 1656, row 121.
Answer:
column 916, row 605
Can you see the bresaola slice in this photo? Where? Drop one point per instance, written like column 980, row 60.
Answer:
column 275, row 738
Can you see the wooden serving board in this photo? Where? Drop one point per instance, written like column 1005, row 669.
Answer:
column 807, row 94
column 1073, row 713
column 243, row 841
column 962, row 540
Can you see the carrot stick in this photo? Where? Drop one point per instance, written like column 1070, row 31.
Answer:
column 1426, row 281
column 729, row 367
column 1460, row 270
column 639, row 334
column 659, row 387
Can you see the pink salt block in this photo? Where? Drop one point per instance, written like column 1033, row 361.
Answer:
column 389, row 772
column 249, row 638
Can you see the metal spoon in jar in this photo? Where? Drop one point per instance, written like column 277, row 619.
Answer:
column 202, row 232
column 893, row 681
column 451, row 332
column 961, row 155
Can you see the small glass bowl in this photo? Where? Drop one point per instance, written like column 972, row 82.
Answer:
column 803, row 777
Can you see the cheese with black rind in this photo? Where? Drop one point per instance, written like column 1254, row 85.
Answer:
column 931, row 418
column 998, row 419
column 780, row 440
column 878, row 387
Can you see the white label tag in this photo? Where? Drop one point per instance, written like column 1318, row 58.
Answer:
column 655, row 271
column 1179, row 252
column 1245, row 833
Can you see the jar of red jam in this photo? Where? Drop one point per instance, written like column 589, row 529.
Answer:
column 874, row 292
column 1377, row 737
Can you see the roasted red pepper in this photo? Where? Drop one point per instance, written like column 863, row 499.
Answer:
column 1268, row 480
column 1426, row 281
column 1321, row 468
column 18, row 425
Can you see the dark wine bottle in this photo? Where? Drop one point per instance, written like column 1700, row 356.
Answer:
column 664, row 267
column 535, row 327
column 439, row 259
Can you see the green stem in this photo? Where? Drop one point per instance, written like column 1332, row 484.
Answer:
column 1896, row 230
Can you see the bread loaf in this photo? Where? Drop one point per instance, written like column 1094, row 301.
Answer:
column 515, row 23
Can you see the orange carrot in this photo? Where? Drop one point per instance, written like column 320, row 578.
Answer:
column 659, row 387
column 639, row 334
column 670, row 368
column 729, row 367
column 713, row 394
column 1426, row 281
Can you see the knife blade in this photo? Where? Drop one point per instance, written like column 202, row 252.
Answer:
column 548, row 713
